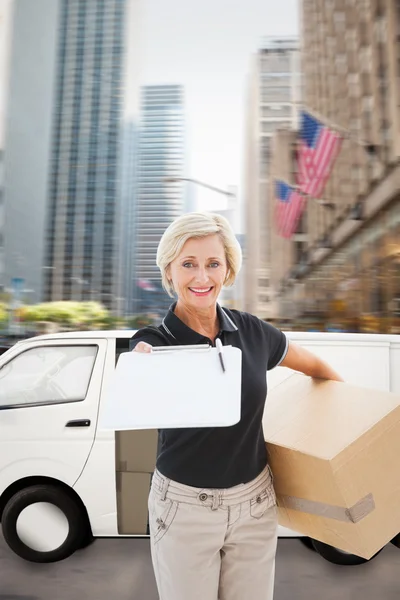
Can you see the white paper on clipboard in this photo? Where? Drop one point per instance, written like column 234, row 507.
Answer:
column 174, row 388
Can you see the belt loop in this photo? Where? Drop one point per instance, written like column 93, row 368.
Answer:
column 271, row 474
column 216, row 499
column 164, row 489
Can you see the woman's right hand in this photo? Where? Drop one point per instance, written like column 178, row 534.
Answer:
column 143, row 347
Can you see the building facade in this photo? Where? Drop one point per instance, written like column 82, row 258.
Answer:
column 85, row 226
column 273, row 97
column 6, row 10
column 27, row 139
column 348, row 275
column 158, row 200
column 2, row 279
column 6, row 14
column 70, row 64
column 232, row 297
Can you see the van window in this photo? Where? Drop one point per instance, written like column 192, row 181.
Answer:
column 47, row 375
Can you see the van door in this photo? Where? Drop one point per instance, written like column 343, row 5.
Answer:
column 49, row 403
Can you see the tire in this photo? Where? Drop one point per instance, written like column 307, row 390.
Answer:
column 339, row 557
column 396, row 541
column 307, row 542
column 48, row 510
column 87, row 539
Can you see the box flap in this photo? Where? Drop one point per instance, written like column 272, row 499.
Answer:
column 321, row 418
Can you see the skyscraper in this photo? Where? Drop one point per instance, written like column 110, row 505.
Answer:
column 274, row 93
column 72, row 70
column 5, row 19
column 84, row 228
column 158, row 201
column 6, row 10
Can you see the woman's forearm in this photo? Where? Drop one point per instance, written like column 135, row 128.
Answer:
column 321, row 370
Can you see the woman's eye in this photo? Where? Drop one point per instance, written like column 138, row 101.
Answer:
column 214, row 265
column 188, row 264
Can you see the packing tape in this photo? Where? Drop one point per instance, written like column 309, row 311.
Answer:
column 354, row 514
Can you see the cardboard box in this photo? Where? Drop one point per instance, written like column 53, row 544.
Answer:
column 132, row 496
column 136, row 451
column 334, row 451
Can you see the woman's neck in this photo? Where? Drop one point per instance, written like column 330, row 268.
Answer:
column 204, row 322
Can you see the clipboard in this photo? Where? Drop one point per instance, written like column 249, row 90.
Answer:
column 174, row 387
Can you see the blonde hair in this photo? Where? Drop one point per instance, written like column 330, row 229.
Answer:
column 198, row 225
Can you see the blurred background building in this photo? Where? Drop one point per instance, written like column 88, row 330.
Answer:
column 5, row 20
column 6, row 9
column 158, row 201
column 67, row 101
column 346, row 272
column 232, row 297
column 273, row 97
column 1, row 221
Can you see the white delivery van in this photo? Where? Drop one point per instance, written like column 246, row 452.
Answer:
column 63, row 481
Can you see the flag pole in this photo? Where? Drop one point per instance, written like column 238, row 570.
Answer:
column 319, row 201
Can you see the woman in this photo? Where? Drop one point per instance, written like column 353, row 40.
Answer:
column 212, row 506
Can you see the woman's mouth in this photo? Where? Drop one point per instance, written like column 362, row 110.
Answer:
column 201, row 291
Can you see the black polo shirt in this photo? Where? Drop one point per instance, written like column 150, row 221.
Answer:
column 221, row 457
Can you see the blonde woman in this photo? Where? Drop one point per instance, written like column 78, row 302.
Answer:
column 212, row 506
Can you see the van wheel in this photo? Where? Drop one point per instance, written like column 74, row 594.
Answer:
column 87, row 539
column 339, row 557
column 43, row 524
column 307, row 542
column 396, row 541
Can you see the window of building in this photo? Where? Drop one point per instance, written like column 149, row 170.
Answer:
column 271, row 126
column 351, row 39
column 380, row 29
column 276, row 110
column 353, row 81
column 341, row 63
column 276, row 94
column 339, row 18
column 355, row 125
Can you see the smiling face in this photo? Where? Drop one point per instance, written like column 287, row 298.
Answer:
column 199, row 271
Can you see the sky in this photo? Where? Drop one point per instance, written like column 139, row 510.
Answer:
column 207, row 46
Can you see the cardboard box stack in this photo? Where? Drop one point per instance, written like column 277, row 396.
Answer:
column 135, row 453
column 334, row 451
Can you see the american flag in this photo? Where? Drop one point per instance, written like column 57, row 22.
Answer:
column 289, row 208
column 318, row 149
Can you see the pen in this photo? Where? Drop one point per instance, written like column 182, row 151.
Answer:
column 219, row 347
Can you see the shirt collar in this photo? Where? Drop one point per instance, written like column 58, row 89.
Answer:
column 184, row 334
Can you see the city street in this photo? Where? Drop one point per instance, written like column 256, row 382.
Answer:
column 121, row 570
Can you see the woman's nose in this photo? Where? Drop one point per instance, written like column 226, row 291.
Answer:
column 201, row 275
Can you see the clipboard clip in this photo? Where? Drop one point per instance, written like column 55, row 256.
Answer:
column 172, row 349
column 193, row 348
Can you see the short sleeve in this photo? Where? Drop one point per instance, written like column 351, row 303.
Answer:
column 277, row 343
column 149, row 335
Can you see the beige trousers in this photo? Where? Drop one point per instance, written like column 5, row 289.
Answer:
column 213, row 544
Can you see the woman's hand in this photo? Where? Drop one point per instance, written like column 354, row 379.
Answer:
column 143, row 347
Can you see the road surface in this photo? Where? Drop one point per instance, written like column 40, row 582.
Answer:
column 120, row 569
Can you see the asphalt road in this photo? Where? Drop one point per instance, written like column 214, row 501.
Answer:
column 120, row 569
